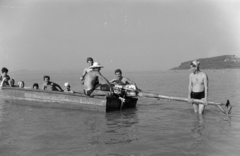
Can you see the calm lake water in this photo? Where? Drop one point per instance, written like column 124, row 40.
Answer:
column 155, row 127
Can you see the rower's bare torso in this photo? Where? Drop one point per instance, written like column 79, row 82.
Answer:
column 90, row 80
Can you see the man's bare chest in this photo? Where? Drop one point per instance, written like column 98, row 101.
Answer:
column 197, row 79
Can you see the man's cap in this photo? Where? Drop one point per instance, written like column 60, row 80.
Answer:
column 96, row 65
column 195, row 63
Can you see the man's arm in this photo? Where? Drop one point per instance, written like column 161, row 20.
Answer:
column 112, row 80
column 131, row 82
column 206, row 87
column 2, row 82
column 103, row 78
column 58, row 87
column 190, row 88
column 84, row 74
column 44, row 86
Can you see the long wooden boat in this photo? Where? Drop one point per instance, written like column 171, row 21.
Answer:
column 54, row 99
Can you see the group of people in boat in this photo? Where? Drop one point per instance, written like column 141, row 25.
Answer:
column 197, row 88
column 5, row 80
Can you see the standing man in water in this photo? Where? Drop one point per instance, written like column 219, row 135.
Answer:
column 198, row 87
column 91, row 82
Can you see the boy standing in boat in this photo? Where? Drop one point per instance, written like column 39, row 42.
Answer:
column 4, row 78
column 90, row 80
column 198, row 87
column 88, row 69
column 48, row 85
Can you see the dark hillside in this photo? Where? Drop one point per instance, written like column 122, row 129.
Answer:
column 218, row 62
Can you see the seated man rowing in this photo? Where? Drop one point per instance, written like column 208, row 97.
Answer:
column 48, row 85
column 91, row 83
column 123, row 82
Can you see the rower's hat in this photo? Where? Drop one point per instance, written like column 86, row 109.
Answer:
column 195, row 63
column 96, row 65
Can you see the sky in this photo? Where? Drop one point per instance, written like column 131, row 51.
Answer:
column 133, row 35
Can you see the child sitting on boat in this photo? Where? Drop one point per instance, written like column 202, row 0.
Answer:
column 21, row 84
column 35, row 86
column 68, row 88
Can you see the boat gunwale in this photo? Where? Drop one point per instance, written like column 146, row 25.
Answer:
column 78, row 94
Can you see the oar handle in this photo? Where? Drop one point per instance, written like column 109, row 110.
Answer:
column 132, row 92
column 151, row 95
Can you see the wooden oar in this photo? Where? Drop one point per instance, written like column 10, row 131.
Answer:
column 152, row 95
column 131, row 90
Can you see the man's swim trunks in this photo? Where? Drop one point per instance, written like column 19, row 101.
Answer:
column 197, row 95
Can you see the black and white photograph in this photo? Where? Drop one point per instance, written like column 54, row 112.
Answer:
column 119, row 77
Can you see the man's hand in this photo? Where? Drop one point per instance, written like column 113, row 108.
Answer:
column 205, row 102
column 190, row 100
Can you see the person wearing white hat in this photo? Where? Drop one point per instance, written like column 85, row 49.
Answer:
column 91, row 82
column 198, row 87
column 68, row 88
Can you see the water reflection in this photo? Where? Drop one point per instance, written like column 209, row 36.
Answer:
column 199, row 135
column 1, row 111
column 198, row 127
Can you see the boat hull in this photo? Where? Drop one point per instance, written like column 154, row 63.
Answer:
column 55, row 99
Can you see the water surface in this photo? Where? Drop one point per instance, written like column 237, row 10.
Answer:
column 155, row 127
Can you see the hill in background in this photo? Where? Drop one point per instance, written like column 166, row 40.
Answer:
column 218, row 62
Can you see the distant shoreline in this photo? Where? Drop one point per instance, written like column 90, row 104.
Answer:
column 227, row 69
column 223, row 62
